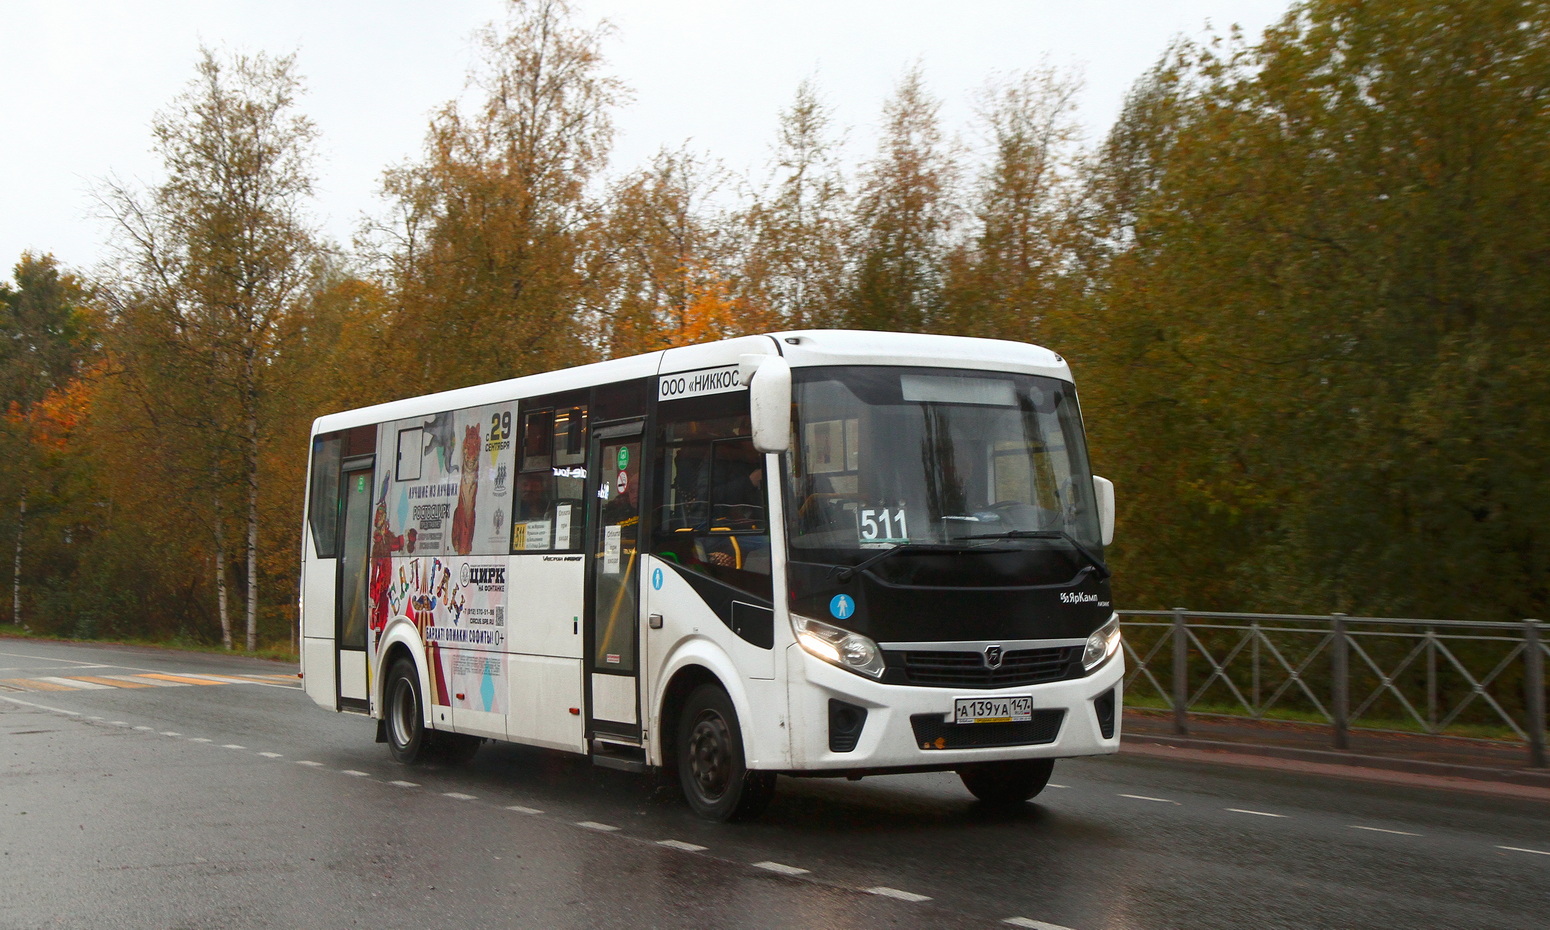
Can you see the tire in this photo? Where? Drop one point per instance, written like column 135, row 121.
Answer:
column 409, row 742
column 404, row 715
column 1007, row 784
column 716, row 782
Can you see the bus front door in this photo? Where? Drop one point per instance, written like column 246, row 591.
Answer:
column 613, row 608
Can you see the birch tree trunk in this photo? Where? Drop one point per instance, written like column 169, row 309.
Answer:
column 250, row 392
column 221, row 597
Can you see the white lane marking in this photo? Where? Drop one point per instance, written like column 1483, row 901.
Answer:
column 76, row 683
column 1537, row 852
column 780, row 867
column 594, row 825
column 1142, row 797
column 309, row 762
column 1032, row 924
column 170, row 733
column 124, row 723
column 199, row 739
column 232, row 746
column 1239, row 810
column 1053, row 785
column 896, row 893
column 405, row 784
column 680, row 844
column 145, row 729
column 57, row 710
column 272, row 755
column 524, row 810
column 457, row 796
column 354, row 773
column 74, row 663
column 1381, row 830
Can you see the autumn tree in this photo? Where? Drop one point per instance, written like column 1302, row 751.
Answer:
column 1326, row 261
column 212, row 262
column 666, row 258
column 1006, row 279
column 904, row 214
column 486, row 246
column 798, row 232
column 45, row 340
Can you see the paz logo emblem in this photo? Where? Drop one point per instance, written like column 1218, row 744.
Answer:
column 992, row 656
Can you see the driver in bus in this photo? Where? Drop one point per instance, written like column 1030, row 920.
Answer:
column 739, row 474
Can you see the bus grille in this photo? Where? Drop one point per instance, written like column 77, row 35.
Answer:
column 932, row 732
column 959, row 669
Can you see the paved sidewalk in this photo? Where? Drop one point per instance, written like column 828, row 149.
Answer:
column 1459, row 761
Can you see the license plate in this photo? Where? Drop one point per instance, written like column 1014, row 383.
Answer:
column 1015, row 709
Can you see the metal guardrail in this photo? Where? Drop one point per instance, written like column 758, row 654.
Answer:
column 1440, row 677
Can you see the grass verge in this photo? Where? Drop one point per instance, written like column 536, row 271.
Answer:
column 274, row 653
column 1291, row 715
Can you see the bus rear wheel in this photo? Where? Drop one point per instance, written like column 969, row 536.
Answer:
column 408, row 741
column 711, row 766
column 1006, row 784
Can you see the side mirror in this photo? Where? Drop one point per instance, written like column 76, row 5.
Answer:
column 1103, row 490
column 769, row 400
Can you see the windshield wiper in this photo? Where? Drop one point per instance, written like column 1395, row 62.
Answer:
column 1097, row 563
column 845, row 574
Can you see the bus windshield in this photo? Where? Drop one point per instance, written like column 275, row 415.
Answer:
column 888, row 456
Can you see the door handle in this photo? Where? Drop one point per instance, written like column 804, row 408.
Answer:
column 655, row 621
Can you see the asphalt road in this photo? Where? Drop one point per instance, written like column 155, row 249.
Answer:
column 240, row 803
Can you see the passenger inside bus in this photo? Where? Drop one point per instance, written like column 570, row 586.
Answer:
column 533, row 497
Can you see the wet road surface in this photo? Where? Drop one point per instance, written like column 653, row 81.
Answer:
column 191, row 791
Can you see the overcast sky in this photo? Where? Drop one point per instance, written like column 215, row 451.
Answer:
column 80, row 80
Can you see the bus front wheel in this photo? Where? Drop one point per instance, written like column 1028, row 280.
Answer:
column 711, row 765
column 1004, row 784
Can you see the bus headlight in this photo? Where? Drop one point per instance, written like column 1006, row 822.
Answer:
column 840, row 647
column 1102, row 644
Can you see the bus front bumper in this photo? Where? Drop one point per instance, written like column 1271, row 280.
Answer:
column 842, row 722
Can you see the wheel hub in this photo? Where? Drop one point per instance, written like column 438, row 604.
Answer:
column 710, row 756
column 403, row 714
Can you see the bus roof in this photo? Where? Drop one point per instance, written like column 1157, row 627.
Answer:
column 802, row 348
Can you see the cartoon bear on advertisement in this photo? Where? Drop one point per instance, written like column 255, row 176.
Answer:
column 467, row 492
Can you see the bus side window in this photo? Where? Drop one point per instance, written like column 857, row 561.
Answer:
column 712, row 519
column 537, row 440
column 323, row 510
column 548, row 510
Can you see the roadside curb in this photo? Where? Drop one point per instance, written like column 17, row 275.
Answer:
column 1519, row 783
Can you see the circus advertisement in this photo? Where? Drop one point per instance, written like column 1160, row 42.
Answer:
column 447, row 489
column 459, row 607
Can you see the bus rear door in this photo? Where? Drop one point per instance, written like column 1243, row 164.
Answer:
column 353, row 610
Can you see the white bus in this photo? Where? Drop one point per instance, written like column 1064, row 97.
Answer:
column 804, row 553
